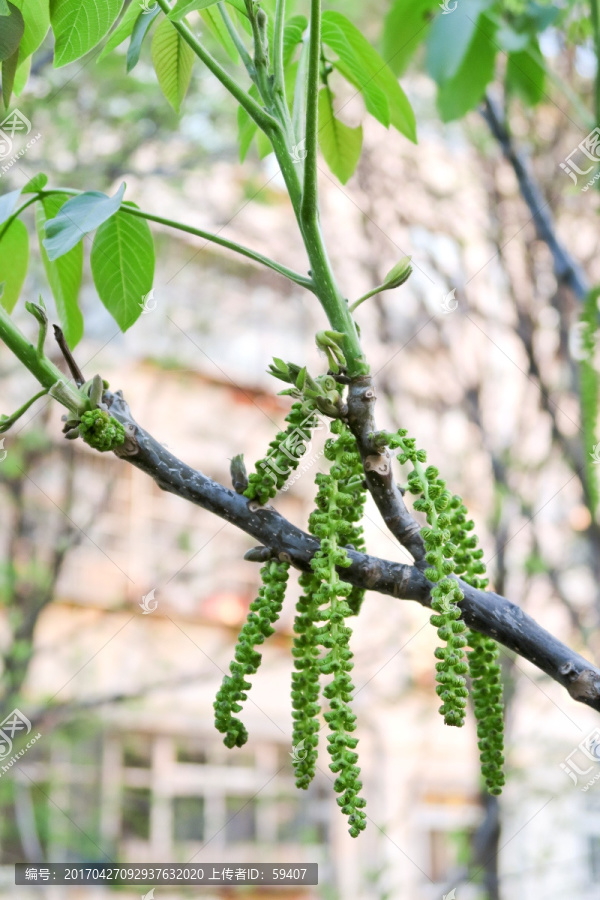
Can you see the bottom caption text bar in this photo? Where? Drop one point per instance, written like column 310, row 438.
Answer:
column 215, row 874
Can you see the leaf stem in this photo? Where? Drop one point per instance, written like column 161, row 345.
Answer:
column 7, row 422
column 376, row 290
column 290, row 274
column 235, row 37
column 40, row 366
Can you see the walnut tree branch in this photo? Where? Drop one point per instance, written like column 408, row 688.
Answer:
column 565, row 268
column 484, row 611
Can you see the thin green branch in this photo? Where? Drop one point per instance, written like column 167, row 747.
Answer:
column 256, row 112
column 7, row 422
column 235, row 37
column 376, row 290
column 278, row 73
column 6, row 225
column 229, row 245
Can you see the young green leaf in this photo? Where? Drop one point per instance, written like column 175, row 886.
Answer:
column 246, row 131
column 217, row 28
column 340, row 144
column 140, row 30
column 122, row 262
column 368, row 71
column 465, row 90
column 14, row 258
column 64, row 275
column 173, row 61
column 77, row 217
column 79, row 26
column 9, row 70
column 292, row 36
column 183, row 7
column 406, row 26
column 8, row 203
column 11, row 32
column 123, row 29
column 36, row 16
column 22, row 76
column 450, row 38
column 35, row 184
column 526, row 74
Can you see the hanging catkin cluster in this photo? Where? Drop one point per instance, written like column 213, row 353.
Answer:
column 264, row 612
column 321, row 645
column 321, row 635
column 325, row 599
column 451, row 549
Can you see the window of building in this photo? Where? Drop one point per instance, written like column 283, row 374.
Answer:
column 135, row 813
column 188, row 818
column 241, row 820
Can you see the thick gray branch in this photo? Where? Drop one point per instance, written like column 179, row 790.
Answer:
column 484, row 611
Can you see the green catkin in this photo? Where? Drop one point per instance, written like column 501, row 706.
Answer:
column 355, row 487
column 305, row 683
column 273, row 471
column 450, row 548
column 484, row 667
column 264, row 612
column 305, row 678
column 334, row 524
column 433, row 500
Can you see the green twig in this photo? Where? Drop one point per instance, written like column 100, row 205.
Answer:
column 187, row 229
column 40, row 366
column 278, row 73
column 7, row 422
column 235, row 37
